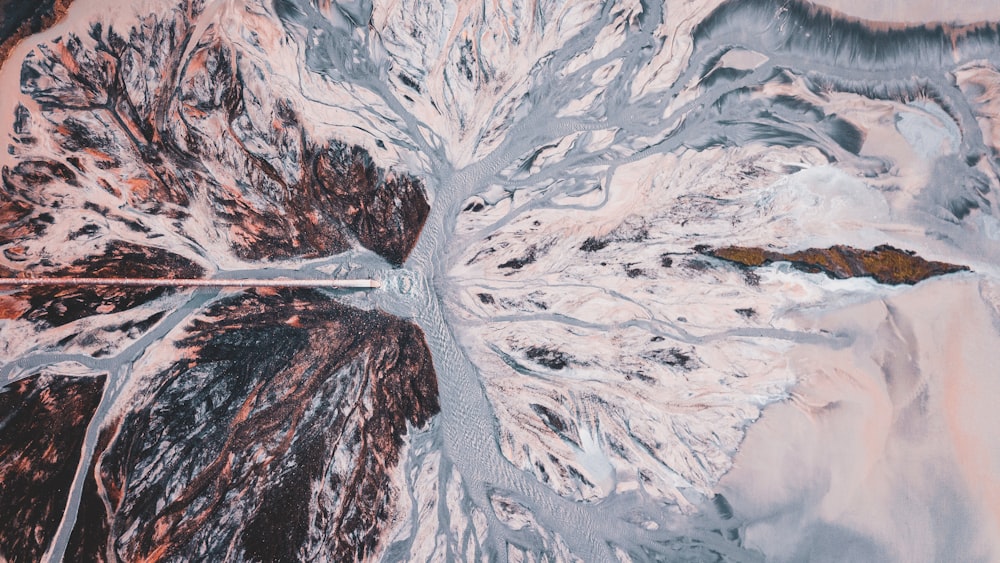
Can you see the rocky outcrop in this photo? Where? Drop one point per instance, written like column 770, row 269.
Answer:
column 273, row 437
column 188, row 123
column 884, row 263
column 275, row 428
column 43, row 420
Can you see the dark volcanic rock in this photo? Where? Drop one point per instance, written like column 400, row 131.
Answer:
column 273, row 439
column 275, row 433
column 552, row 359
column 593, row 244
column 43, row 421
column 187, row 124
column 56, row 306
column 20, row 18
column 517, row 263
column 385, row 212
column 90, row 533
column 884, row 263
column 15, row 223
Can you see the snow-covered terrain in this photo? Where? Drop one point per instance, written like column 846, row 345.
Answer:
column 681, row 281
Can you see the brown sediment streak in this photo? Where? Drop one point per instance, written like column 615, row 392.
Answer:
column 20, row 19
column 884, row 263
column 43, row 421
column 276, row 431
